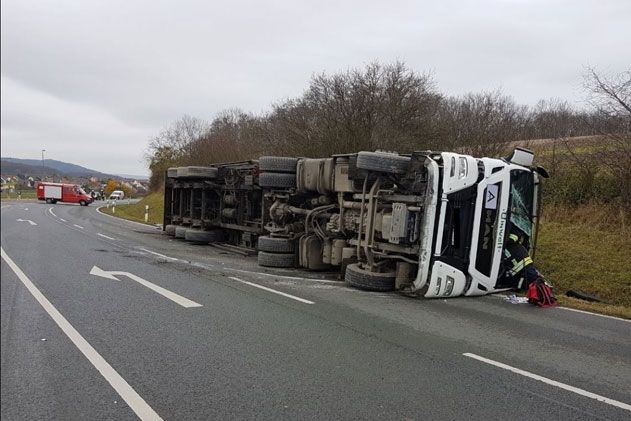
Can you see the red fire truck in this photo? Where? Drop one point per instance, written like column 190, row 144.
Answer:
column 58, row 192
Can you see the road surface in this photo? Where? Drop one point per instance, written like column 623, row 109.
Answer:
column 107, row 319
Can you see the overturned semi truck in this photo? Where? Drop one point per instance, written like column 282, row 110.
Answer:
column 430, row 224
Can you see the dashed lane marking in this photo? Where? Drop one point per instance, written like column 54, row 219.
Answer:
column 159, row 254
column 293, row 297
column 105, row 236
column 551, row 382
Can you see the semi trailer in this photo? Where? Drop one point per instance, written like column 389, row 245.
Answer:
column 431, row 224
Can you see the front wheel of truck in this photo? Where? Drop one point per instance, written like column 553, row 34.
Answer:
column 367, row 280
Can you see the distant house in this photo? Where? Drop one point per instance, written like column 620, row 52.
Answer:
column 8, row 183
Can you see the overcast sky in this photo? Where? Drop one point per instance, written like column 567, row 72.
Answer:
column 92, row 81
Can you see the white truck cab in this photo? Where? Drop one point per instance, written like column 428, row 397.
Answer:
column 473, row 203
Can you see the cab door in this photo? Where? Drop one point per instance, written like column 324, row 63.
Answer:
column 70, row 194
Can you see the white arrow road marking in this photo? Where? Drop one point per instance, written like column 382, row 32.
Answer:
column 133, row 399
column 26, row 220
column 551, row 382
column 184, row 302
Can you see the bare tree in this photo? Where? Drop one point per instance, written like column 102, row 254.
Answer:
column 172, row 146
column 610, row 97
column 481, row 124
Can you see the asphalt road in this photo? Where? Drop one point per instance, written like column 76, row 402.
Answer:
column 194, row 332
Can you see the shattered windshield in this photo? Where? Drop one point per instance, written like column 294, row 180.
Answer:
column 522, row 198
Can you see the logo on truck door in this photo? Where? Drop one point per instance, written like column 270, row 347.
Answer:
column 490, row 198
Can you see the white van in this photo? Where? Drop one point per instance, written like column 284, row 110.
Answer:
column 117, row 195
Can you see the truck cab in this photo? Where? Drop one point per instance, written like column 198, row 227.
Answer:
column 479, row 203
column 437, row 227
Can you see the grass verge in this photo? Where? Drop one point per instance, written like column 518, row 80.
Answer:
column 587, row 249
column 136, row 211
column 25, row 194
column 584, row 248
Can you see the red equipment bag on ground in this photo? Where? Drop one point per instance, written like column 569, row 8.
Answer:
column 540, row 294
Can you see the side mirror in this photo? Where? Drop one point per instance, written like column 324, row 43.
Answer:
column 542, row 172
column 521, row 156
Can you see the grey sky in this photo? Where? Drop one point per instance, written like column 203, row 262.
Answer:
column 91, row 81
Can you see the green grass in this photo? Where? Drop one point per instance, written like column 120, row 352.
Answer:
column 136, row 211
column 587, row 249
column 25, row 194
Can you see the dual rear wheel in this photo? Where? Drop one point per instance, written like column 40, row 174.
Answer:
column 276, row 252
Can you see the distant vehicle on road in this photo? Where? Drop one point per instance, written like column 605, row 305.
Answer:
column 58, row 192
column 117, row 195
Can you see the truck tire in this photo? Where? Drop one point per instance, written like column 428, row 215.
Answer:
column 276, row 245
column 204, row 237
column 278, row 164
column 49, row 201
column 170, row 229
column 180, row 231
column 383, row 162
column 370, row 281
column 277, row 180
column 277, row 260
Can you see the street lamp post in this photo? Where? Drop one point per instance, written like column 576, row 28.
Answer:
column 43, row 172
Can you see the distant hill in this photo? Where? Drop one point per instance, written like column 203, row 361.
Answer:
column 59, row 167
column 15, row 168
column 134, row 177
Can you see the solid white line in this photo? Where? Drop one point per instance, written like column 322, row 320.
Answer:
column 503, row 297
column 78, row 226
column 594, row 314
column 293, row 297
column 62, row 219
column 105, row 236
column 551, row 382
column 158, row 254
column 51, row 212
column 129, row 395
